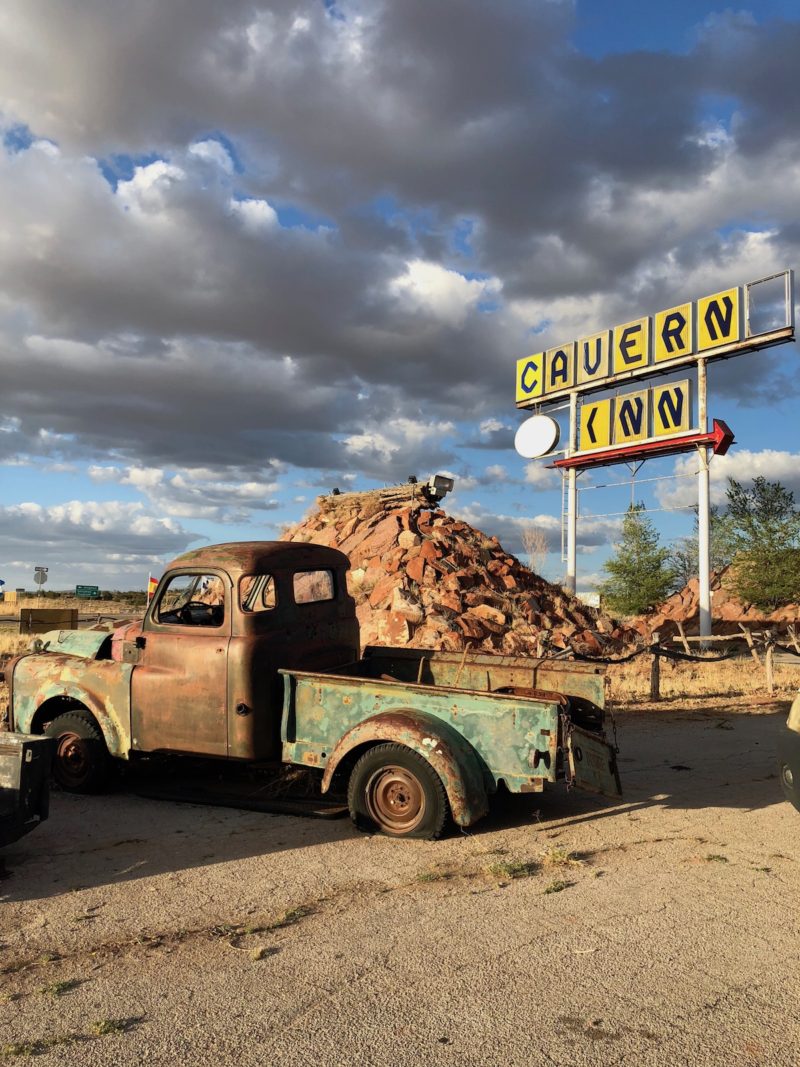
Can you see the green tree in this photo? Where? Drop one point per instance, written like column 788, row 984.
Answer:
column 641, row 573
column 685, row 552
column 761, row 531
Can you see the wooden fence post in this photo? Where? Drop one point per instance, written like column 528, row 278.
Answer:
column 769, row 662
column 682, row 633
column 749, row 639
column 655, row 672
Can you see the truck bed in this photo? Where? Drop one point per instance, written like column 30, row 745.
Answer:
column 515, row 714
column 481, row 672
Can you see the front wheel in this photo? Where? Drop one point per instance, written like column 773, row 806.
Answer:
column 81, row 763
column 394, row 791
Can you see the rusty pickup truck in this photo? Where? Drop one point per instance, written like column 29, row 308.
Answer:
column 250, row 652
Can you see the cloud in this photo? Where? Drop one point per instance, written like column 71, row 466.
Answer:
column 538, row 474
column 399, row 447
column 268, row 232
column 196, row 493
column 255, row 215
column 592, row 532
column 444, row 294
column 742, row 465
column 494, row 434
column 213, row 152
column 110, row 538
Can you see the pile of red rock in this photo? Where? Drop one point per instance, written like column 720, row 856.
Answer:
column 421, row 577
column 726, row 610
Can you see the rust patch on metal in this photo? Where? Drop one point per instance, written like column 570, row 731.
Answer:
column 440, row 744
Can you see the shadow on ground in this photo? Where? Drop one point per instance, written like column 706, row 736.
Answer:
column 676, row 760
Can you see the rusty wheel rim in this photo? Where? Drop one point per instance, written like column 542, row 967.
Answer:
column 72, row 759
column 395, row 799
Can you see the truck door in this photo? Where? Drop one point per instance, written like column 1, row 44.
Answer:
column 179, row 686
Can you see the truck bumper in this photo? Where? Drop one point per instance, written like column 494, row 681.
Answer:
column 789, row 765
column 24, row 784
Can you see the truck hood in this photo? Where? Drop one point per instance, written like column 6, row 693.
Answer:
column 88, row 644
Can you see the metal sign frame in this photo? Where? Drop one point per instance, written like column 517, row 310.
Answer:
column 699, row 439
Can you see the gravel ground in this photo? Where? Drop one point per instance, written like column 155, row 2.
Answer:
column 563, row 930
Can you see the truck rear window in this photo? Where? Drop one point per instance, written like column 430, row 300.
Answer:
column 257, row 593
column 313, row 586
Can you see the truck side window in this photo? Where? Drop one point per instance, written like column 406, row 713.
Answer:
column 257, row 593
column 192, row 600
column 313, row 586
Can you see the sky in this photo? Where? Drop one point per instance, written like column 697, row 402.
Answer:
column 256, row 250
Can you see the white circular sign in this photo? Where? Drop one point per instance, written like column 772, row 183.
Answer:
column 536, row 436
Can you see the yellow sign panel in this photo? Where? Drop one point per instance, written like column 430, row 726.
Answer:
column 631, row 417
column 595, row 425
column 593, row 358
column 672, row 333
column 672, row 408
column 718, row 320
column 560, row 368
column 709, row 328
column 631, row 346
column 530, row 377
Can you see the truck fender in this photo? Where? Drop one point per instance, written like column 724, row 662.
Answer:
column 443, row 747
column 39, row 679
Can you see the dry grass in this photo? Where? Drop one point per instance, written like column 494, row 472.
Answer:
column 554, row 856
column 630, row 682
column 12, row 643
column 85, row 607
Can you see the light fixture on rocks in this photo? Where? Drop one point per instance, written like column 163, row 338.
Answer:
column 438, row 486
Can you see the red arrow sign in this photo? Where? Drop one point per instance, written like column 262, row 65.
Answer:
column 720, row 439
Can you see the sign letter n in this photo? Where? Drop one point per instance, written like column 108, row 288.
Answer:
column 718, row 320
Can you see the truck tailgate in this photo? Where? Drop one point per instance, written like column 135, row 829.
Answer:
column 592, row 763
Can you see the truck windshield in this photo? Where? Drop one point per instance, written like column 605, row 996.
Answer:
column 193, row 600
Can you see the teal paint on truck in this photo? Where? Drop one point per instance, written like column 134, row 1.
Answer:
column 88, row 644
column 503, row 730
column 43, row 686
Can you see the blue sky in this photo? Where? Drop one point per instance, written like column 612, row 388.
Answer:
column 249, row 254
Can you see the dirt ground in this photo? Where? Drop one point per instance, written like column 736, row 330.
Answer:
column 564, row 930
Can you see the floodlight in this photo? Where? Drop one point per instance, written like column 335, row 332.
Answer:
column 439, row 485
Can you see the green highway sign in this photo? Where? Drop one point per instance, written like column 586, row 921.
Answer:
column 87, row 592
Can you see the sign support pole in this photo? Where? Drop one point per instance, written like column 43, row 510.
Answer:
column 572, row 497
column 703, row 506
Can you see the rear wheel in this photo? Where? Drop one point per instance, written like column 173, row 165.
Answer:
column 81, row 763
column 396, row 792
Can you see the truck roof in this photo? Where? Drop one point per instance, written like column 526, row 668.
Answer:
column 254, row 557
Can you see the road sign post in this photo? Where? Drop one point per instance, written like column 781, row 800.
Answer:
column 572, row 500
column 703, row 508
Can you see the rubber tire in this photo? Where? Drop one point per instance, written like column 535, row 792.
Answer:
column 93, row 776
column 436, row 810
